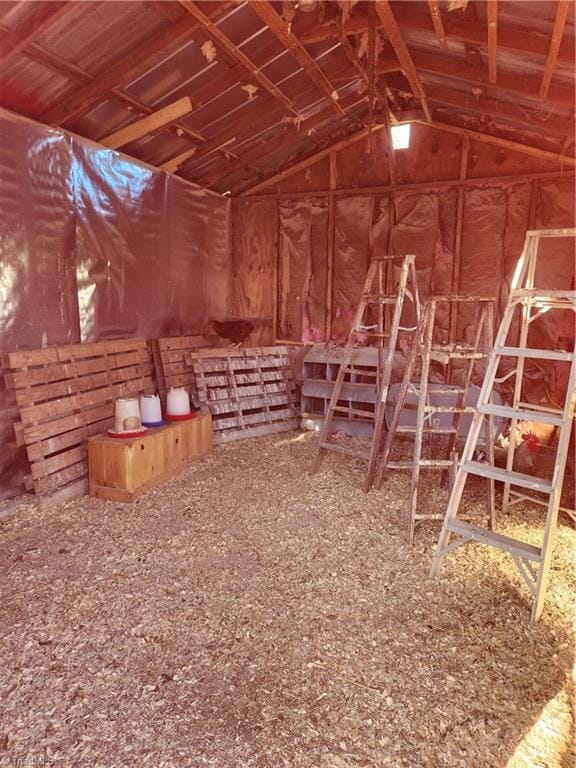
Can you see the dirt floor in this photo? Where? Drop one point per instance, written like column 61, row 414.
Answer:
column 250, row 614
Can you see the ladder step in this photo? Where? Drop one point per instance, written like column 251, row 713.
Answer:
column 351, row 369
column 515, row 478
column 522, row 415
column 428, row 463
column 427, row 430
column 375, row 334
column 449, row 409
column 505, row 543
column 536, row 354
column 348, row 451
column 354, row 412
column 456, row 354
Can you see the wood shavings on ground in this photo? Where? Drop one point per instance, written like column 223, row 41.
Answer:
column 251, row 614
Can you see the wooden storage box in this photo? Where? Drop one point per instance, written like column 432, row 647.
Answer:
column 122, row 469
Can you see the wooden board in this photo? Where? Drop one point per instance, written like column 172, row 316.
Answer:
column 172, row 364
column 65, row 395
column 122, row 470
column 249, row 392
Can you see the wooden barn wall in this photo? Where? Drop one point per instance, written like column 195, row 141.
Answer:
column 94, row 245
column 466, row 238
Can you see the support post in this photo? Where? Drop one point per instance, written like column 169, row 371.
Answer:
column 331, row 242
column 457, row 248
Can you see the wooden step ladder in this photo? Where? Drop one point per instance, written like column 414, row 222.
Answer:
column 373, row 294
column 533, row 562
column 427, row 350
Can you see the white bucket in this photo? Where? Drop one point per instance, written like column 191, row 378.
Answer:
column 177, row 402
column 150, row 409
column 127, row 414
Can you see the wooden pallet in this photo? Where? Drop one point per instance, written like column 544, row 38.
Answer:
column 172, row 364
column 65, row 395
column 249, row 392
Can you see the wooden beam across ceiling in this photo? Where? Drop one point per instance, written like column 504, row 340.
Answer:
column 287, row 137
column 459, row 29
column 268, row 15
column 43, row 17
column 235, row 53
column 159, row 119
column 311, row 159
column 497, row 141
column 394, row 34
column 137, row 61
column 492, row 14
column 434, row 8
column 555, row 42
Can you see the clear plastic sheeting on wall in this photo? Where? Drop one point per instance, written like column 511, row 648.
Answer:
column 95, row 245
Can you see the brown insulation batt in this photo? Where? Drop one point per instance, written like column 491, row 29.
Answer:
column 250, row 614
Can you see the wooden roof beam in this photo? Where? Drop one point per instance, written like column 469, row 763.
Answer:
column 36, row 24
column 492, row 14
column 457, row 29
column 235, row 53
column 556, row 40
column 159, row 119
column 142, row 58
column 268, row 15
column 434, row 9
column 394, row 34
column 286, row 138
column 311, row 159
column 514, row 146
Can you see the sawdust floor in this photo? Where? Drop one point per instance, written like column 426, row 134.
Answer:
column 249, row 614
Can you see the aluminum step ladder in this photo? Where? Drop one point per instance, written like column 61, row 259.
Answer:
column 533, row 562
column 373, row 295
column 427, row 349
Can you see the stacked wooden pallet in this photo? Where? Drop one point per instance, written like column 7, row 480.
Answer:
column 249, row 392
column 65, row 395
column 172, row 364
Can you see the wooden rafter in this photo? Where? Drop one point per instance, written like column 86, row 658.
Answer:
column 286, row 138
column 556, row 40
column 513, row 83
column 434, row 8
column 236, row 54
column 514, row 146
column 136, row 62
column 268, row 15
column 311, row 159
column 411, row 19
column 394, row 34
column 518, row 117
column 36, row 24
column 492, row 13
column 159, row 119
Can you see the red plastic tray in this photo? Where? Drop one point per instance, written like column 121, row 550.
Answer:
column 183, row 417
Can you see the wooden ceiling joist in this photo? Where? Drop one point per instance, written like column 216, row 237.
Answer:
column 42, row 18
column 276, row 25
column 311, row 159
column 136, row 62
column 434, row 8
column 492, row 14
column 497, row 141
column 459, row 29
column 159, row 119
column 555, row 42
column 394, row 34
column 286, row 138
column 236, row 54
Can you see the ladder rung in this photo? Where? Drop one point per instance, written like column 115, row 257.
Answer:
column 348, row 451
column 456, row 354
column 449, row 409
column 351, row 369
column 442, row 389
column 514, row 478
column 375, row 334
column 517, row 413
column 354, row 411
column 428, row 430
column 536, row 354
column 376, row 298
column 505, row 543
column 428, row 463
